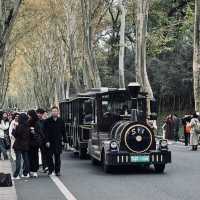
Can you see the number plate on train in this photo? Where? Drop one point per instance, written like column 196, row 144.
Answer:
column 140, row 159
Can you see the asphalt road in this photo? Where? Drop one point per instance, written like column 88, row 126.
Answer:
column 87, row 182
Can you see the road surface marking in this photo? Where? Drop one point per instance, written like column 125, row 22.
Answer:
column 68, row 195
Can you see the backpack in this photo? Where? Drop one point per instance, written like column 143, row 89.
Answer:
column 5, row 180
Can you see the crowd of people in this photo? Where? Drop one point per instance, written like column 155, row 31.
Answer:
column 23, row 136
column 191, row 129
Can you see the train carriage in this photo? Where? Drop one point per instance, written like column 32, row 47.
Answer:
column 73, row 112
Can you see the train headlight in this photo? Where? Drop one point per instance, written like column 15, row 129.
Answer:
column 163, row 144
column 113, row 145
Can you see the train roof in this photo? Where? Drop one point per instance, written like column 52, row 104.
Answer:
column 109, row 91
column 74, row 98
column 101, row 92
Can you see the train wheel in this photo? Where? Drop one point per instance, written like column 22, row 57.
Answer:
column 159, row 168
column 83, row 153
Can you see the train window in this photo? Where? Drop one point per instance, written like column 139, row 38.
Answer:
column 120, row 108
column 88, row 112
column 106, row 107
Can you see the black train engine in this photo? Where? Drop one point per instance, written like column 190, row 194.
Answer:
column 131, row 139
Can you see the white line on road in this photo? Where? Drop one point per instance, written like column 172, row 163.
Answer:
column 68, row 195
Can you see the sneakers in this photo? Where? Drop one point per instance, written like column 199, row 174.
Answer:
column 51, row 174
column 54, row 174
column 35, row 175
column 45, row 170
column 27, row 176
column 16, row 178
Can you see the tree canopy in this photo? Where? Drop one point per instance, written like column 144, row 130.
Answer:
column 68, row 39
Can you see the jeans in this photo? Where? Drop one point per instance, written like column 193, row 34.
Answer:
column 26, row 167
column 3, row 149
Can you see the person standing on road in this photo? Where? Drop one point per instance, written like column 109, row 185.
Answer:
column 195, row 126
column 35, row 142
column 54, row 129
column 187, row 131
column 4, row 125
column 13, row 125
column 186, row 128
column 176, row 127
column 6, row 132
column 21, row 146
column 169, row 134
column 40, row 112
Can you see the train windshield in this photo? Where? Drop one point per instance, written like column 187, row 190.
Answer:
column 120, row 105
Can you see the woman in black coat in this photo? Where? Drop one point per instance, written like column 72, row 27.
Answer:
column 35, row 140
column 21, row 146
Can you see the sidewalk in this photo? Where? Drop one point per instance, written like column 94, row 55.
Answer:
column 7, row 193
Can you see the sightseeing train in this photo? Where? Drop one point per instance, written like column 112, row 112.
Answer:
column 112, row 127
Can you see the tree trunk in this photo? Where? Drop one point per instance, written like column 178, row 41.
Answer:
column 7, row 18
column 141, row 33
column 196, row 56
column 6, row 24
column 72, row 46
column 73, row 65
column 122, row 45
column 93, row 71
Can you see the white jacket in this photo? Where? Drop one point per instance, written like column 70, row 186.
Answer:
column 193, row 134
column 3, row 126
column 13, row 125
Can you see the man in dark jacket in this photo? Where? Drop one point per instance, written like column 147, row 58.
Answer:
column 54, row 129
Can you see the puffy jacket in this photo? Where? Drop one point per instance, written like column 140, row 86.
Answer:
column 22, row 138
